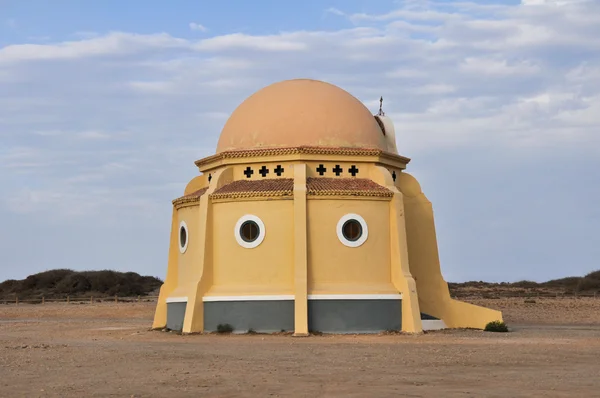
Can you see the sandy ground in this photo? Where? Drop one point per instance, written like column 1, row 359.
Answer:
column 102, row 350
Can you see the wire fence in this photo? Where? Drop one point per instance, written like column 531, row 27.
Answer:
column 116, row 299
column 524, row 294
column 79, row 300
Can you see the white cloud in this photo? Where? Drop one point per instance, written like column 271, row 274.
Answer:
column 335, row 11
column 93, row 135
column 115, row 43
column 403, row 73
column 495, row 66
column 116, row 113
column 552, row 2
column 434, row 89
column 241, row 41
column 198, row 27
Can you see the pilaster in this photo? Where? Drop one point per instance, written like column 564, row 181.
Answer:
column 300, row 252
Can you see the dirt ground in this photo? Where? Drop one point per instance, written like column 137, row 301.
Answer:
column 100, row 350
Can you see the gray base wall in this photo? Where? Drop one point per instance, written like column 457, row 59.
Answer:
column 326, row 316
column 354, row 316
column 427, row 317
column 175, row 316
column 260, row 316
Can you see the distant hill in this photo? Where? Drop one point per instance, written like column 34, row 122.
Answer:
column 574, row 285
column 59, row 283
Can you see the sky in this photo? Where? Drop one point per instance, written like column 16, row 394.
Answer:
column 105, row 106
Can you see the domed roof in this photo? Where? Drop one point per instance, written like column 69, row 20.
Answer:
column 301, row 112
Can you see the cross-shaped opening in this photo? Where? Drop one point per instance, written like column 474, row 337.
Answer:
column 337, row 170
column 353, row 170
column 248, row 172
column 209, row 177
column 263, row 171
column 394, row 175
column 279, row 170
column 321, row 169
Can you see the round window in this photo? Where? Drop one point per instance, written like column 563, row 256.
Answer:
column 183, row 237
column 352, row 230
column 249, row 231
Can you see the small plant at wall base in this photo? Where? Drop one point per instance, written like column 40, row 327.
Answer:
column 224, row 328
column 496, row 326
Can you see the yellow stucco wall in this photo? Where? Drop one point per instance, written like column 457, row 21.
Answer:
column 266, row 269
column 188, row 259
column 434, row 296
column 172, row 277
column 288, row 169
column 334, row 268
column 400, row 254
column 300, row 252
column 400, row 268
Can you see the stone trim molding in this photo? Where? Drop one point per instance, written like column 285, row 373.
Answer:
column 301, row 150
column 189, row 200
column 285, row 297
column 356, row 192
column 177, row 300
column 256, row 194
column 282, row 297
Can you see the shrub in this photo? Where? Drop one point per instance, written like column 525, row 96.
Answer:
column 569, row 283
column 526, row 284
column 224, row 328
column 496, row 326
column 73, row 284
column 61, row 282
column 589, row 283
column 593, row 275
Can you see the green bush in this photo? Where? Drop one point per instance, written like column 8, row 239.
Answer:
column 594, row 275
column 224, row 328
column 496, row 326
column 62, row 282
column 526, row 284
column 74, row 283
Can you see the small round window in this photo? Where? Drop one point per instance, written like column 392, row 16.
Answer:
column 183, row 237
column 249, row 231
column 352, row 230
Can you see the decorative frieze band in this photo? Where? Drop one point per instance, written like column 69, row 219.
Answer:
column 308, row 150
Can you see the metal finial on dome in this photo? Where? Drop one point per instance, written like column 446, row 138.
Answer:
column 381, row 112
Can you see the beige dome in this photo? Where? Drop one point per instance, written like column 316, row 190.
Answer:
column 301, row 112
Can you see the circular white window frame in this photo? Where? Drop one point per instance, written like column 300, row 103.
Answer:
column 261, row 231
column 183, row 248
column 363, row 224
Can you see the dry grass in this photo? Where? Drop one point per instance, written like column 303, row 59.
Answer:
column 106, row 349
column 556, row 311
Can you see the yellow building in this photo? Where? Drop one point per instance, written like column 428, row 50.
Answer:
column 305, row 220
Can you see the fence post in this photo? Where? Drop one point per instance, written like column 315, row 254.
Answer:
column 43, row 299
column 92, row 299
column 138, row 299
column 17, row 300
column 68, row 299
column 116, row 299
